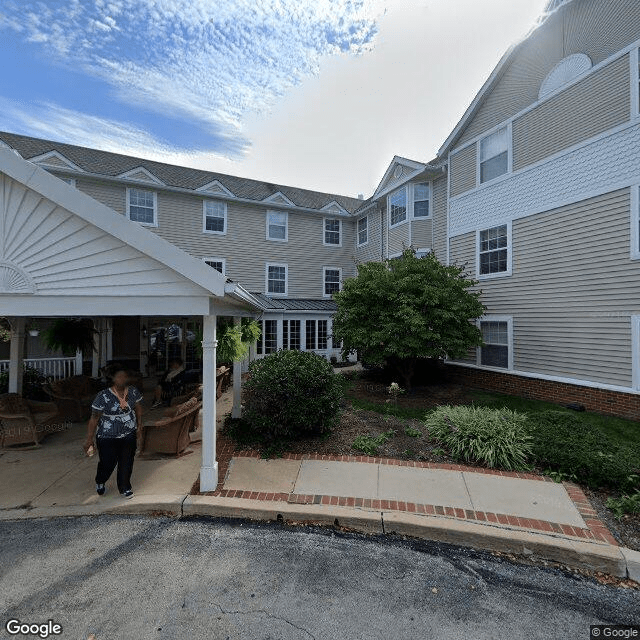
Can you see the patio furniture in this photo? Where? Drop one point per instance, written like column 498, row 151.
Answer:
column 171, row 433
column 73, row 396
column 25, row 421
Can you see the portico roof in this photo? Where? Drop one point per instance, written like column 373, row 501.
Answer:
column 62, row 253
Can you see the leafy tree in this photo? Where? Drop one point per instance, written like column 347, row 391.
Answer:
column 407, row 308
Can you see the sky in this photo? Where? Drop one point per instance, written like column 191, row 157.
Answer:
column 319, row 94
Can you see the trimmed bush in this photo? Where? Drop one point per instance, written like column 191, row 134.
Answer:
column 572, row 446
column 492, row 437
column 292, row 394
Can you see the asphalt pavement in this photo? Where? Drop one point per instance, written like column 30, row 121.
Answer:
column 121, row 577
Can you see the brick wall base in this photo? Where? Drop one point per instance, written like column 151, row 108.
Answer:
column 612, row 403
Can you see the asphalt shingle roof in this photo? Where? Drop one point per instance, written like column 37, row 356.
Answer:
column 115, row 164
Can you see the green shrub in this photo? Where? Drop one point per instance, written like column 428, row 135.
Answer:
column 370, row 444
column 493, row 437
column 625, row 504
column 292, row 394
column 570, row 445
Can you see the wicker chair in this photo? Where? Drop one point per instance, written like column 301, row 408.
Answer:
column 25, row 421
column 73, row 396
column 171, row 433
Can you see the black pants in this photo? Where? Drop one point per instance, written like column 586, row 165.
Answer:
column 112, row 452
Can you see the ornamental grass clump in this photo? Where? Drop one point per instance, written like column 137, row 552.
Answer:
column 292, row 394
column 496, row 438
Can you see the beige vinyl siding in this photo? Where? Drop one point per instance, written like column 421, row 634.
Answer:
column 597, row 28
column 399, row 239
column 53, row 161
column 440, row 218
column 111, row 194
column 463, row 170
column 370, row 252
column 572, row 291
column 422, row 233
column 587, row 108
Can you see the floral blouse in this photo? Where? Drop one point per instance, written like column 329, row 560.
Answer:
column 116, row 422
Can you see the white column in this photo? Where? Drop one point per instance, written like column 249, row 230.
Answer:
column 78, row 365
column 209, row 468
column 236, row 412
column 16, row 355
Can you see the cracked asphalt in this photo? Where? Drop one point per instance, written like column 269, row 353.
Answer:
column 134, row 577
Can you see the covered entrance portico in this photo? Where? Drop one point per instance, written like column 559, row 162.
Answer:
column 63, row 254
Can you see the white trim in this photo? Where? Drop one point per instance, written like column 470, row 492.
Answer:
column 635, row 352
column 222, row 260
column 424, row 250
column 324, row 231
column 42, row 160
column 543, row 376
column 324, row 282
column 127, row 175
column 335, row 207
column 634, row 83
column 204, row 217
column 266, row 279
column 286, row 225
column 69, row 181
column 394, row 255
column 497, row 318
column 155, row 207
column 278, row 198
column 366, row 242
column 467, row 115
column 634, row 221
column 509, row 170
column 417, row 167
column 406, row 196
column 412, row 193
column 500, row 274
column 215, row 187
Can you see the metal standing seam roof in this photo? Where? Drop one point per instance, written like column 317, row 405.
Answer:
column 295, row 304
column 95, row 161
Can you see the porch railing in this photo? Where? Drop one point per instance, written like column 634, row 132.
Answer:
column 55, row 368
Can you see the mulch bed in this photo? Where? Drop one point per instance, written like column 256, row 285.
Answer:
column 357, row 422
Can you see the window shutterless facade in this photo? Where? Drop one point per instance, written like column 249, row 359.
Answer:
column 142, row 206
column 219, row 264
column 498, row 343
column 332, row 232
column 278, row 226
column 276, row 279
column 494, row 251
column 332, row 279
column 291, row 335
column 397, row 207
column 494, row 155
column 363, row 231
column 421, row 200
column 214, row 217
column 270, row 340
column 317, row 335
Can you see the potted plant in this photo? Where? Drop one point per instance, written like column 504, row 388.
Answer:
column 33, row 329
column 70, row 335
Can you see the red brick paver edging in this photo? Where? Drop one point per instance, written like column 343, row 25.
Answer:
column 596, row 530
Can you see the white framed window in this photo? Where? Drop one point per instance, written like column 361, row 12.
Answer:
column 219, row 264
column 142, row 206
column 332, row 280
column 397, row 205
column 291, row 338
column 317, row 335
column 278, row 226
column 421, row 252
column 497, row 334
column 494, row 157
column 268, row 342
column 332, row 236
column 363, row 231
column 493, row 252
column 276, row 276
column 421, row 200
column 214, row 217
column 635, row 222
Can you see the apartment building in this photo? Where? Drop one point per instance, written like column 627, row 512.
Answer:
column 536, row 191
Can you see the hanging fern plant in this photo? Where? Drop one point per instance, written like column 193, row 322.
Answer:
column 69, row 335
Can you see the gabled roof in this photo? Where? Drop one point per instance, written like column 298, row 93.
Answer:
column 278, row 198
column 113, row 165
column 140, row 174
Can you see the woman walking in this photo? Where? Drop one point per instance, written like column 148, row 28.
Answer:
column 116, row 413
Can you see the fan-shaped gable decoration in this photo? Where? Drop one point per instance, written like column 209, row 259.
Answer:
column 564, row 72
column 13, row 279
